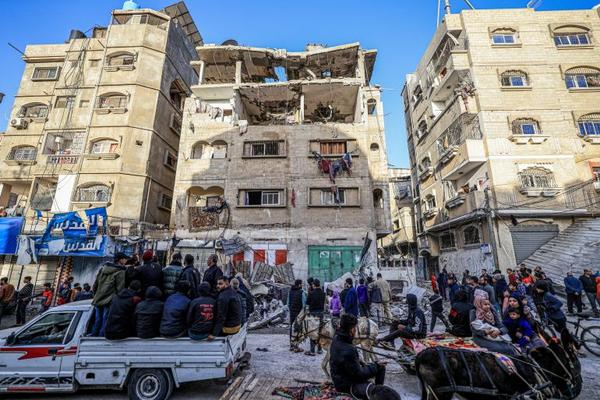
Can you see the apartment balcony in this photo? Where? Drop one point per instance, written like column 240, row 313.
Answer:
column 470, row 155
column 448, row 154
column 524, row 139
column 456, row 201
column 428, row 214
column 426, row 173
column 539, row 192
column 423, row 243
column 465, row 203
column 62, row 159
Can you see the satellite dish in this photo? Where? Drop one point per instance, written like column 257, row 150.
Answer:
column 230, row 42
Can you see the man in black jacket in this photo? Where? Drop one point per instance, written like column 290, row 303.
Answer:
column 201, row 314
column 212, row 274
column 229, row 311
column 589, row 287
column 316, row 308
column 24, row 296
column 121, row 321
column 413, row 327
column 148, row 314
column 296, row 302
column 191, row 274
column 150, row 273
column 348, row 373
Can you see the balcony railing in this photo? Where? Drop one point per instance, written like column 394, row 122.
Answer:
column 62, row 159
column 465, row 127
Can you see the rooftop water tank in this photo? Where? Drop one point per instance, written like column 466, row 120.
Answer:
column 131, row 5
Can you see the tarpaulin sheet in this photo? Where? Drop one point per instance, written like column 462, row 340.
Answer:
column 10, row 228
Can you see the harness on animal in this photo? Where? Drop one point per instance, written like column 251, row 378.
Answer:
column 453, row 387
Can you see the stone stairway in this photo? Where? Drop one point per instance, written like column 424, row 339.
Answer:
column 574, row 249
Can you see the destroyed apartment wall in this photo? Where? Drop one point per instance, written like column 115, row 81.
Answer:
column 263, row 145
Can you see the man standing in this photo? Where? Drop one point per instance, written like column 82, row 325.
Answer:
column 229, row 310
column 316, row 308
column 109, row 281
column 213, row 274
column 437, row 310
column 363, row 298
column 171, row 274
column 574, row 288
column 23, row 298
column 64, row 291
column 296, row 303
column 376, row 301
column 47, row 296
column 192, row 275
column 453, row 288
column 235, row 285
column 150, row 273
column 86, row 293
column 351, row 300
column 443, row 283
column 7, row 293
column 348, row 373
column 386, row 295
column 589, row 286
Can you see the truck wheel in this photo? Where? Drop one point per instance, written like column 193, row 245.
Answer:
column 149, row 384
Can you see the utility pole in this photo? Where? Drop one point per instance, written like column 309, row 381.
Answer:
column 490, row 224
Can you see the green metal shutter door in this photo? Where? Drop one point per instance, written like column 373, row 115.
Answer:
column 327, row 263
column 528, row 238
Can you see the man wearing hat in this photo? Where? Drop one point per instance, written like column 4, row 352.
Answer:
column 348, row 373
column 150, row 273
column 109, row 281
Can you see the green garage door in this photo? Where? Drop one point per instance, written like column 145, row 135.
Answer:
column 327, row 263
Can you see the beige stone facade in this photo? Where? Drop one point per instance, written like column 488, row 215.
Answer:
column 503, row 119
column 96, row 122
column 249, row 135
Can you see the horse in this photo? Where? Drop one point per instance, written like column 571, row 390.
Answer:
column 322, row 332
column 545, row 372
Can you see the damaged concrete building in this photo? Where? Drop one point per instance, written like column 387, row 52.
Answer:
column 294, row 143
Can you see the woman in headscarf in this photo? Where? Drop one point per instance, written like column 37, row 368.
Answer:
column 488, row 330
column 511, row 301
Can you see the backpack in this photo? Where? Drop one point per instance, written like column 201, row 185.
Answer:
column 376, row 296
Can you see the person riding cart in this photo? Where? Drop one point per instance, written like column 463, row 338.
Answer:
column 413, row 327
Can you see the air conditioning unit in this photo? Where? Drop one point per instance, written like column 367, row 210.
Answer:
column 19, row 123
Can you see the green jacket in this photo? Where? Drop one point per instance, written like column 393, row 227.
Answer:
column 109, row 281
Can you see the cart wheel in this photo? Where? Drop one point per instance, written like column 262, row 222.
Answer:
column 590, row 338
column 150, row 384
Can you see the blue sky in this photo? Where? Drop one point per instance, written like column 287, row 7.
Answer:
column 399, row 29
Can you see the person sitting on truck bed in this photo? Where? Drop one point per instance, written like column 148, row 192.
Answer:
column 148, row 314
column 201, row 314
column 121, row 321
column 174, row 318
column 229, row 310
column 109, row 281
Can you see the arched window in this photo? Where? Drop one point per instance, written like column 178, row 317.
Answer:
column 22, row 153
column 514, row 79
column 447, row 241
column 504, row 36
column 378, row 198
column 34, row 110
column 201, row 150
column 525, row 126
column 422, row 129
column 104, row 146
column 537, row 178
column 93, row 193
column 120, row 59
column 177, row 94
column 582, row 78
column 471, row 235
column 589, row 124
column 573, row 35
column 112, row 100
column 219, row 149
column 371, row 106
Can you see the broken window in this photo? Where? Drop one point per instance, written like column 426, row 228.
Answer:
column 537, row 178
column 333, row 148
column 201, row 150
column 589, row 124
column 425, row 164
column 219, row 149
column 64, row 143
column 34, row 110
column 45, row 73
column 93, row 193
column 112, row 100
column 378, row 198
column 177, row 94
column 332, row 198
column 582, row 78
column 65, row 102
column 422, row 129
column 526, row 127
column 447, row 241
column 104, row 146
column 165, row 201
column 417, row 95
column 170, row 160
column 471, row 235
column 514, row 79
column 596, row 174
column 430, row 203
column 121, row 59
column 262, row 198
column 23, row 153
column 371, row 106
column 263, row 149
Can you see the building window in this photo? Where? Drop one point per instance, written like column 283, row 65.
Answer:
column 596, row 174
column 165, row 201
column 219, row 149
column 200, row 151
column 45, row 73
column 65, row 102
column 425, row 164
column 333, row 198
column 94, row 63
column 514, row 79
column 264, row 149
column 563, row 39
column 104, row 146
column 417, row 95
column 177, row 95
column 84, row 103
column 333, row 148
column 582, row 78
column 23, row 153
column 93, row 193
column 113, row 100
column 262, row 198
column 378, row 198
column 504, row 36
column 430, row 203
column 175, row 123
column 537, row 178
column 471, row 235
column 371, row 106
column 447, row 241
column 34, row 110
column 170, row 160
column 589, row 124
column 422, row 129
column 64, row 143
column 121, row 59
column 526, row 127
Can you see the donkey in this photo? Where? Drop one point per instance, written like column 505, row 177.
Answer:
column 322, row 332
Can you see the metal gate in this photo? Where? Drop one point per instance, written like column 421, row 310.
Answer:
column 327, row 263
column 528, row 238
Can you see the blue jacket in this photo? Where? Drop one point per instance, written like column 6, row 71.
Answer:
column 553, row 307
column 351, row 302
column 573, row 285
column 174, row 318
column 454, row 288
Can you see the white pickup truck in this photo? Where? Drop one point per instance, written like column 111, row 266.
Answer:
column 52, row 354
